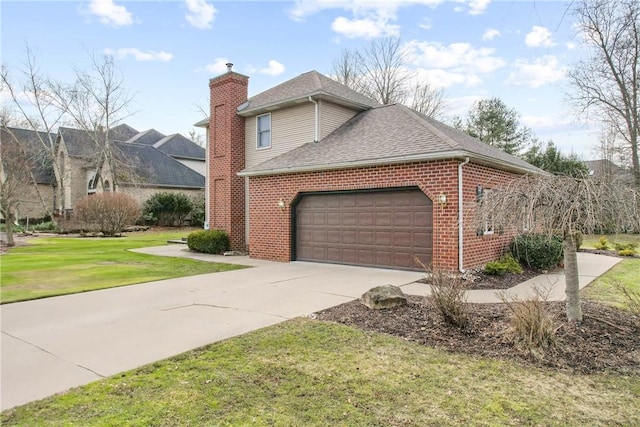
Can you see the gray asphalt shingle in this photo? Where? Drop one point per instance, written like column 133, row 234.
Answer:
column 303, row 86
column 386, row 134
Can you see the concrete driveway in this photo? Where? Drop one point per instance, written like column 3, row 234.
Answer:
column 53, row 344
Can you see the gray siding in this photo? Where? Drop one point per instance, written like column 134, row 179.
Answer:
column 332, row 116
column 290, row 128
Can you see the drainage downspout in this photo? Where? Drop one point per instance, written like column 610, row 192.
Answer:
column 315, row 137
column 460, row 217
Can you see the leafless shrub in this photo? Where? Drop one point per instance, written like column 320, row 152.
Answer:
column 109, row 212
column 631, row 299
column 448, row 293
column 532, row 326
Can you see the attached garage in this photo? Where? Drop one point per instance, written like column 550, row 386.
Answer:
column 381, row 228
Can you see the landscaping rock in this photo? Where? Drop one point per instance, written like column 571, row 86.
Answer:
column 387, row 296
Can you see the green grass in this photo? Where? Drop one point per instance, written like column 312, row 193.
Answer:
column 310, row 373
column 590, row 240
column 603, row 289
column 64, row 265
column 627, row 273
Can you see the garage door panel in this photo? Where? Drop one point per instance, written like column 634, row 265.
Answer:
column 376, row 228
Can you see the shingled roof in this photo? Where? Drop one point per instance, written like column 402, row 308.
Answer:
column 180, row 147
column 147, row 137
column 156, row 168
column 78, row 142
column 122, row 132
column 302, row 87
column 32, row 143
column 385, row 135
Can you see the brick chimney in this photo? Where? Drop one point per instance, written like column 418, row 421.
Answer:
column 226, row 156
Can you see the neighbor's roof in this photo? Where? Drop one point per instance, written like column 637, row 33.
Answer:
column 147, row 137
column 78, row 142
column 32, row 142
column 122, row 132
column 156, row 168
column 385, row 135
column 604, row 167
column 302, row 87
column 179, row 146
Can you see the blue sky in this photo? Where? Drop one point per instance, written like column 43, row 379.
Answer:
column 166, row 51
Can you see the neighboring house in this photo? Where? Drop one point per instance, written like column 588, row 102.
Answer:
column 312, row 170
column 607, row 169
column 153, row 163
column 32, row 198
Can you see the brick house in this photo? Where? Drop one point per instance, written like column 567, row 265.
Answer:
column 312, row 170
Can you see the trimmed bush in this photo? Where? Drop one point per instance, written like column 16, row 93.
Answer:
column 625, row 249
column 535, row 250
column 603, row 244
column 107, row 212
column 506, row 264
column 197, row 213
column 208, row 241
column 167, row 209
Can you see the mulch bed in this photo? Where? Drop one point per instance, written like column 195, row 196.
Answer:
column 607, row 340
column 477, row 279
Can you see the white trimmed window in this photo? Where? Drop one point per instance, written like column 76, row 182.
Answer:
column 489, row 223
column 263, row 126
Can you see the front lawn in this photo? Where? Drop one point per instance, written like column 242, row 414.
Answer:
column 604, row 288
column 52, row 266
column 589, row 241
column 311, row 373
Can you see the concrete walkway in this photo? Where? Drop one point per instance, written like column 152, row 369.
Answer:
column 53, row 344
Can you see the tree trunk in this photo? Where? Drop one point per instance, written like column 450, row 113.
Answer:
column 574, row 312
column 8, row 222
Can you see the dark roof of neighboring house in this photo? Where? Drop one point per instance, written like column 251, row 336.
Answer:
column 154, row 167
column 78, row 143
column 299, row 88
column 122, row 132
column 32, row 142
column 604, row 167
column 147, row 137
column 384, row 135
column 181, row 147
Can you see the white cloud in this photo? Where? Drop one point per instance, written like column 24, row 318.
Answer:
column 536, row 73
column 274, row 69
column 571, row 45
column 139, row 55
column 364, row 28
column 477, row 7
column 456, row 56
column 539, row 36
column 110, row 13
column 425, row 24
column 200, row 14
column 444, row 78
column 370, row 18
column 381, row 8
column 490, row 34
column 219, row 66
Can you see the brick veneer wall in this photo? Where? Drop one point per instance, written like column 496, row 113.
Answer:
column 227, row 156
column 270, row 229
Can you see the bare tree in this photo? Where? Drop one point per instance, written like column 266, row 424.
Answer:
column 608, row 83
column 31, row 100
column 17, row 164
column 380, row 71
column 96, row 102
column 428, row 100
column 563, row 205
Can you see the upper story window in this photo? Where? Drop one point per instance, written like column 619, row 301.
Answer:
column 263, row 125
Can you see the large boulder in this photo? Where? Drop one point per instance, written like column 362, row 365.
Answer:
column 387, row 296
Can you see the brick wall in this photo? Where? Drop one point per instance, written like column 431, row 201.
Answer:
column 227, row 156
column 270, row 231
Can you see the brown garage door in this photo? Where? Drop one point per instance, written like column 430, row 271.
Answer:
column 373, row 228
